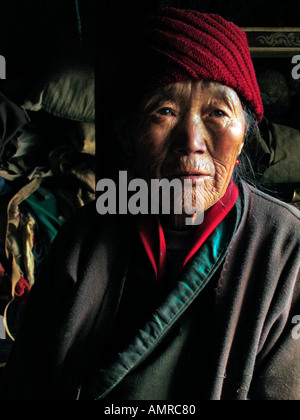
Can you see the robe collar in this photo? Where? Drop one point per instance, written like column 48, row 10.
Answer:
column 152, row 235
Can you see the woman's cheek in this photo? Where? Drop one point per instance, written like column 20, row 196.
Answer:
column 148, row 155
column 228, row 142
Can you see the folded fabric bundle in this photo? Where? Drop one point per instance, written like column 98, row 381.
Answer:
column 40, row 149
column 275, row 153
column 12, row 120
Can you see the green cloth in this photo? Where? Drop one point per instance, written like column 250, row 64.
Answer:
column 42, row 204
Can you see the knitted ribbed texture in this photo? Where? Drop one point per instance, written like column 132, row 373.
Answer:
column 177, row 45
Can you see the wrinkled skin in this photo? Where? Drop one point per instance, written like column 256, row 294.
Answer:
column 192, row 130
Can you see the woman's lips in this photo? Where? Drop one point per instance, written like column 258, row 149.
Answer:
column 188, row 175
column 193, row 177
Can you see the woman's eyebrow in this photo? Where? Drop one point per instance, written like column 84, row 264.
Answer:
column 222, row 96
column 159, row 99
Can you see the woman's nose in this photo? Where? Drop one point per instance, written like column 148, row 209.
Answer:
column 190, row 136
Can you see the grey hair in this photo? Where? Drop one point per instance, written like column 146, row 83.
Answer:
column 245, row 169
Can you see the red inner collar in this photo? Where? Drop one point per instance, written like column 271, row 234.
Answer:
column 153, row 239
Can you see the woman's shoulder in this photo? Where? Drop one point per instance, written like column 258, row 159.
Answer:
column 269, row 216
column 265, row 204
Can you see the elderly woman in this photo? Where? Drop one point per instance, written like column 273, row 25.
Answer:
column 134, row 307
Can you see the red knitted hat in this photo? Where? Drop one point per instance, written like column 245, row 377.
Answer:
column 175, row 45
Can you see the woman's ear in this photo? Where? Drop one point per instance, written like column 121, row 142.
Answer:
column 241, row 148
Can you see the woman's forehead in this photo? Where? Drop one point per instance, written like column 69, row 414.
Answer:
column 207, row 90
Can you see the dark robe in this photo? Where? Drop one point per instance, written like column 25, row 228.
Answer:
column 255, row 303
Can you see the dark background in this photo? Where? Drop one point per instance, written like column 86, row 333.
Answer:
column 37, row 37
column 34, row 33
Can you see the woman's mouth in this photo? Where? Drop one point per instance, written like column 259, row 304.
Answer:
column 194, row 175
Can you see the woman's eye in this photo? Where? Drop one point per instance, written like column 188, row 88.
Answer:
column 218, row 113
column 166, row 111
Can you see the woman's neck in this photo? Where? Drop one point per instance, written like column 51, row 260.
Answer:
column 179, row 221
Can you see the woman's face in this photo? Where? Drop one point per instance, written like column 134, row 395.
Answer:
column 192, row 130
